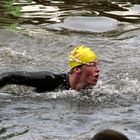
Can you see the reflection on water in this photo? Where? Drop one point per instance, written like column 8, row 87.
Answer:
column 86, row 24
column 45, row 11
column 61, row 9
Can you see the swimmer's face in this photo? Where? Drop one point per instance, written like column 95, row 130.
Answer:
column 89, row 74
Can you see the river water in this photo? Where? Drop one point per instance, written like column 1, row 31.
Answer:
column 37, row 35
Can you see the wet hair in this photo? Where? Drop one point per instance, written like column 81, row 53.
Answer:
column 109, row 134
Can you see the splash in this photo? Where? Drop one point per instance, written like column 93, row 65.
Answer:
column 129, row 86
column 15, row 56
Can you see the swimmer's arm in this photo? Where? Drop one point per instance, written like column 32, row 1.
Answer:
column 41, row 81
column 33, row 79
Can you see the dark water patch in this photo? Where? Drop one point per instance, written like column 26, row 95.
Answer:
column 12, row 134
column 130, row 15
column 2, row 130
column 80, row 4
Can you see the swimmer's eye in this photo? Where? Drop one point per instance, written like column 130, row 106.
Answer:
column 92, row 64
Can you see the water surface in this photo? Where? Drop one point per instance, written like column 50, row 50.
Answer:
column 43, row 32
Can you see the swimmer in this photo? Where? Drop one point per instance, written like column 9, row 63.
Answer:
column 84, row 72
column 109, row 134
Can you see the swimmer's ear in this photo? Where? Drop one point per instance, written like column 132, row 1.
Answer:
column 77, row 69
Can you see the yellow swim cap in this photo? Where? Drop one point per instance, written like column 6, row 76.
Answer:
column 81, row 55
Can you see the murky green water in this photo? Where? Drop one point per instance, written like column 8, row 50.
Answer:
column 43, row 32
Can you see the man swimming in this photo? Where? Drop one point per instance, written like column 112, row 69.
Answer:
column 84, row 72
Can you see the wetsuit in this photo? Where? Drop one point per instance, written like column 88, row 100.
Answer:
column 41, row 81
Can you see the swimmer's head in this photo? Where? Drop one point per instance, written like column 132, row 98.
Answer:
column 109, row 134
column 81, row 55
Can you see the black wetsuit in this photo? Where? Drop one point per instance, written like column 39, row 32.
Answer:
column 42, row 81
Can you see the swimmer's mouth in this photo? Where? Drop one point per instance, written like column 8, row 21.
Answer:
column 97, row 76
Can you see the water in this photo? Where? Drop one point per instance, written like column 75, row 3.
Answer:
column 43, row 32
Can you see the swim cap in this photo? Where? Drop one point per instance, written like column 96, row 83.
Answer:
column 81, row 55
